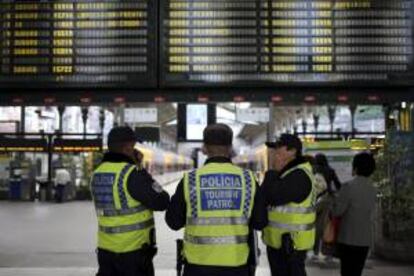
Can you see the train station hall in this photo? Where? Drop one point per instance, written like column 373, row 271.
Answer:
column 206, row 137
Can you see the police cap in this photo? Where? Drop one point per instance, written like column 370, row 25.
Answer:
column 288, row 140
column 120, row 135
column 218, row 135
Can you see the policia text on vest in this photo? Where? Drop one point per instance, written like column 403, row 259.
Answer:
column 125, row 197
column 218, row 205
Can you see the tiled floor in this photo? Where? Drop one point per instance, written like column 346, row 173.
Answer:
column 84, row 271
column 49, row 239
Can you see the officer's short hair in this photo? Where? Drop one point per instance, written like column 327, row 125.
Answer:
column 364, row 164
column 218, row 135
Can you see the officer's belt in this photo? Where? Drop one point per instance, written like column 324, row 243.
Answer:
column 121, row 212
column 218, row 221
column 216, row 240
column 292, row 210
column 127, row 228
column 291, row 227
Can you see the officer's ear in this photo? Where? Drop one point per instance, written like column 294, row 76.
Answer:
column 204, row 150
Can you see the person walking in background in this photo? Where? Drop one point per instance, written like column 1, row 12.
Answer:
column 324, row 201
column 125, row 196
column 289, row 190
column 320, row 182
column 322, row 167
column 219, row 205
column 355, row 206
column 62, row 179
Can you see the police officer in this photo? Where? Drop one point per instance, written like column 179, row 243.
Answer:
column 218, row 205
column 125, row 198
column 288, row 188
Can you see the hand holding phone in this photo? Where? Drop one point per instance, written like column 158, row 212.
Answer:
column 277, row 159
column 280, row 162
column 271, row 156
column 138, row 156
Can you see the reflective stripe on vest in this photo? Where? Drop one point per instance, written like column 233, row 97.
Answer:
column 296, row 218
column 193, row 192
column 292, row 227
column 122, row 212
column 121, row 192
column 292, row 210
column 247, row 204
column 219, row 199
column 216, row 240
column 127, row 228
column 124, row 224
column 217, row 221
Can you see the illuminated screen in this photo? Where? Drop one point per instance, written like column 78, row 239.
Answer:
column 22, row 145
column 74, row 145
column 77, row 43
column 196, row 121
column 267, row 42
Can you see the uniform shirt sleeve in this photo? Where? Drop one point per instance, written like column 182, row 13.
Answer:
column 143, row 188
column 259, row 214
column 295, row 187
column 175, row 216
column 341, row 202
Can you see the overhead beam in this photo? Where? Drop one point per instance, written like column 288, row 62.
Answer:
column 285, row 96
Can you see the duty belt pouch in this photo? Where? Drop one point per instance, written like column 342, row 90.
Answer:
column 288, row 247
column 148, row 254
column 151, row 250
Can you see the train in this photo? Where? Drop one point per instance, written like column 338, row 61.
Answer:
column 165, row 166
column 160, row 162
column 338, row 152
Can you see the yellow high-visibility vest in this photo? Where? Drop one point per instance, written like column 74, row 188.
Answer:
column 298, row 219
column 219, row 199
column 124, row 224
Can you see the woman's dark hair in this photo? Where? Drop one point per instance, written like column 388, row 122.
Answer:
column 364, row 164
column 321, row 160
column 311, row 160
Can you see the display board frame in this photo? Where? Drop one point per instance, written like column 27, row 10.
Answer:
column 145, row 80
column 179, row 81
column 158, row 81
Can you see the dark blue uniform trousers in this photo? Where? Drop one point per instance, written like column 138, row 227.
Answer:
column 135, row 263
column 282, row 265
column 200, row 270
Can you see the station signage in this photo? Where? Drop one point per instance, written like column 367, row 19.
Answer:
column 141, row 115
column 256, row 43
column 256, row 114
column 170, row 44
column 76, row 145
column 23, row 145
column 79, row 44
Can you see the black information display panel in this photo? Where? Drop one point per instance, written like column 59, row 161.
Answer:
column 263, row 43
column 78, row 43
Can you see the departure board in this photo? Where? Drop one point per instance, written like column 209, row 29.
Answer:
column 268, row 42
column 78, row 43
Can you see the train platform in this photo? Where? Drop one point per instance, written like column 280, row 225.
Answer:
column 59, row 239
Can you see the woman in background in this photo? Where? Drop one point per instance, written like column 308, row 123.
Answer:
column 325, row 192
column 355, row 205
column 322, row 167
